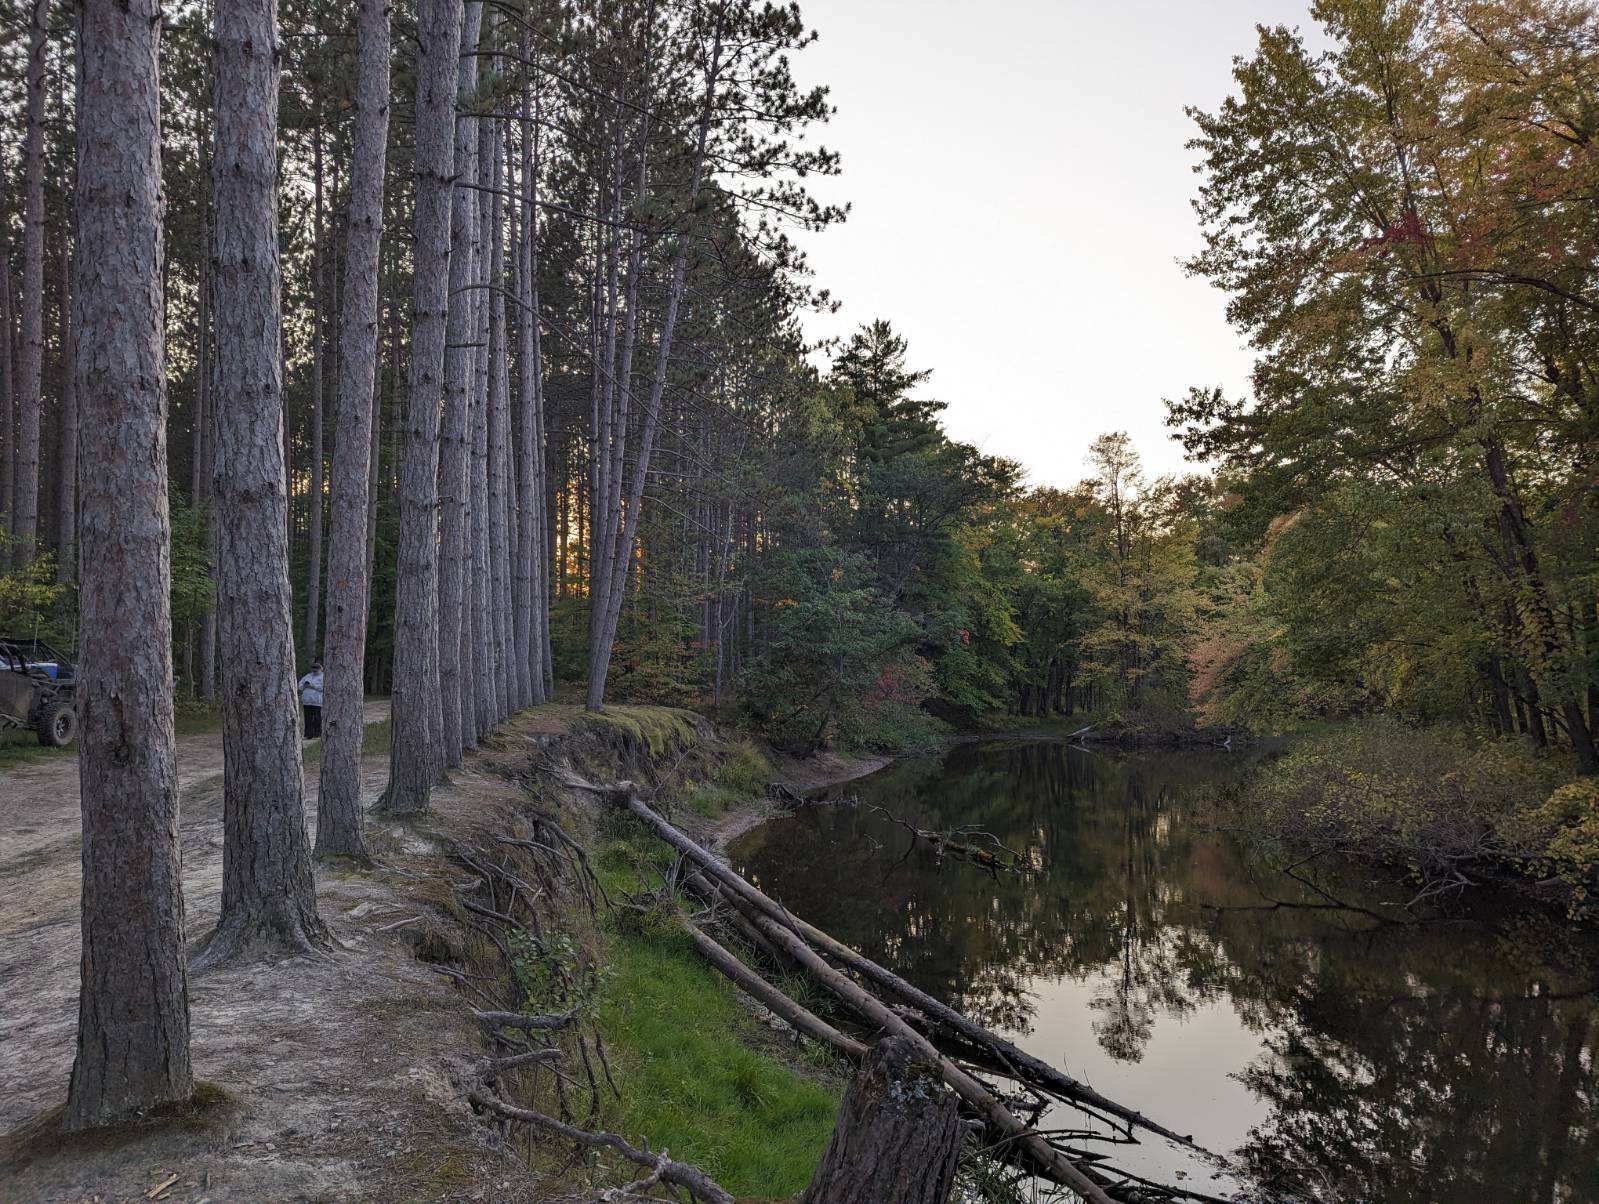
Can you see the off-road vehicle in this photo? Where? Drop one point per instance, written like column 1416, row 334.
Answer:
column 36, row 689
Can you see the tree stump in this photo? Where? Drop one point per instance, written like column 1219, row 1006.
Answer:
column 898, row 1134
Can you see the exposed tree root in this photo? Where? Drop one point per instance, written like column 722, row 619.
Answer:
column 523, row 1021
column 662, row 1168
column 242, row 938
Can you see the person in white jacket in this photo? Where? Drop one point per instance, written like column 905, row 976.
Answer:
column 311, row 701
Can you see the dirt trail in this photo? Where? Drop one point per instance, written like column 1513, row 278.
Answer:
column 341, row 1074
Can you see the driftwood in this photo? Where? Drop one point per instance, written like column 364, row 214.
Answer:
column 954, row 843
column 898, row 1135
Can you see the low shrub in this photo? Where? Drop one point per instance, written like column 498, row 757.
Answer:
column 1434, row 799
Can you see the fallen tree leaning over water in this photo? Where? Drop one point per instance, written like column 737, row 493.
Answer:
column 912, row 1015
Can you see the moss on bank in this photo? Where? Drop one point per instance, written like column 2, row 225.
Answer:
column 648, row 731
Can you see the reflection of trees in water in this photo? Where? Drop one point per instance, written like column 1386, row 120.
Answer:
column 1147, row 982
column 1410, row 1064
column 1103, row 899
column 1406, row 1064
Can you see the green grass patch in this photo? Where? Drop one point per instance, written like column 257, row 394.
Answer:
column 740, row 775
column 690, row 1079
column 20, row 747
column 691, row 1085
column 711, row 799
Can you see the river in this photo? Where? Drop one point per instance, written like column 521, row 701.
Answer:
column 1304, row 1024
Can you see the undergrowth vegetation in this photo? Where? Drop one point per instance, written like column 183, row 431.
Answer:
column 686, row 1051
column 1450, row 807
column 740, row 775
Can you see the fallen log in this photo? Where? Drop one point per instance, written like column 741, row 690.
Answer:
column 898, row 1135
column 1050, row 1161
column 662, row 1168
column 1026, row 1067
column 802, row 1019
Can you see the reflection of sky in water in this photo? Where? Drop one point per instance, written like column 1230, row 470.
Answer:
column 1184, row 1076
column 1173, row 971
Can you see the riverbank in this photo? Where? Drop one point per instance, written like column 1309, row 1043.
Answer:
column 1133, row 731
column 1434, row 806
column 351, row 1077
column 790, row 776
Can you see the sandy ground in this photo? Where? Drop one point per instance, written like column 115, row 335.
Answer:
column 343, row 1077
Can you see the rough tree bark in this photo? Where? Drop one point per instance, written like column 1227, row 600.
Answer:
column 459, row 367
column 338, row 830
column 205, row 433
column 133, row 1006
column 30, row 367
column 67, row 475
column 499, row 437
column 532, row 575
column 478, row 687
column 477, row 682
column 898, row 1135
column 417, row 720
column 8, row 412
column 320, row 264
column 268, row 896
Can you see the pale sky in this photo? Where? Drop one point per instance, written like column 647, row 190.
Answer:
column 1021, row 198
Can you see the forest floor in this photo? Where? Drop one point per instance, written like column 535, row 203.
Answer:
column 332, row 1080
column 347, row 1078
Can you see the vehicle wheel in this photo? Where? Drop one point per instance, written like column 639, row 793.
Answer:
column 59, row 726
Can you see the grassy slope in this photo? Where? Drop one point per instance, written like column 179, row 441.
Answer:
column 691, row 1076
column 690, row 1082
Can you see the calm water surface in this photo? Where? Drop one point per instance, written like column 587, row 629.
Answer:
column 1278, row 1018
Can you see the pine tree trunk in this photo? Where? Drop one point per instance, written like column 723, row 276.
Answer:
column 205, row 433
column 67, row 475
column 379, row 479
column 133, row 1007
column 477, row 683
column 30, row 370
column 416, row 748
column 338, row 831
column 320, row 262
column 622, row 551
column 532, row 576
column 455, row 448
column 898, row 1134
column 477, row 673
column 8, row 415
column 485, row 586
column 268, row 896
column 501, row 532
